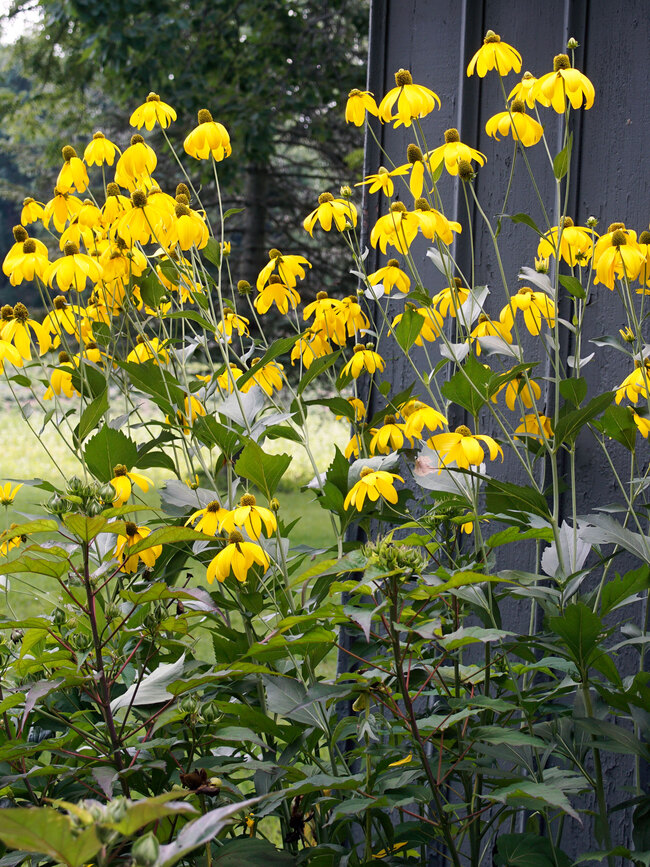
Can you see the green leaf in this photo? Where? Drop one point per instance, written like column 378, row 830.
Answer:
column 317, row 367
column 617, row 423
column 516, row 534
column 524, row 218
column 574, row 389
column 83, row 527
column 168, row 536
column 87, row 379
column 207, row 429
column 617, row 591
column 580, row 630
column 149, row 810
column 195, row 317
column 562, row 160
column 408, row 329
column 264, row 471
column 159, row 384
column 531, row 795
column 253, row 852
column 469, row 386
column 212, row 251
column 106, row 449
column 528, row 850
column 200, row 831
column 573, row 286
column 231, row 212
column 152, row 290
column 90, row 416
column 48, row 832
column 43, row 525
column 504, row 497
column 277, row 348
column 568, row 426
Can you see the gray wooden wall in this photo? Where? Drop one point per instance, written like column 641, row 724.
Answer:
column 435, row 40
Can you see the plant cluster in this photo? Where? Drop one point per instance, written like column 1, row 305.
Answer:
column 146, row 710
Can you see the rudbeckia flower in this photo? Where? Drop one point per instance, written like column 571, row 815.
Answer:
column 359, row 102
column 383, row 180
column 518, row 388
column 418, row 416
column 192, row 409
column 636, row 385
column 136, row 163
column 644, row 274
column 363, row 359
column 73, row 270
column 229, row 377
column 238, row 557
column 29, row 263
column 533, row 426
column 433, row 224
column 517, row 123
column 276, row 292
column 390, row 276
column 535, row 307
column 617, row 254
column 313, row 344
column 576, row 243
column 128, row 538
column 398, row 228
column 61, row 379
column 115, row 205
column 463, row 448
column 494, row 54
column 431, row 329
column 389, row 437
column 452, row 152
column 73, row 175
column 100, row 150
column 63, row 317
column 352, row 317
column 152, row 111
column 341, row 212
column 210, row 518
column 642, row 423
column 486, row 327
column 208, row 139
column 144, row 222
column 289, row 269
column 269, row 377
column 151, row 349
column 250, row 517
column 448, row 301
column 525, row 91
column 61, row 208
column 411, row 100
column 8, row 494
column 123, row 481
column 232, row 322
column 10, row 542
column 31, row 212
column 16, row 331
column 564, row 83
column 9, row 353
column 89, row 215
column 119, row 262
column 187, row 229
column 372, row 484
column 358, row 407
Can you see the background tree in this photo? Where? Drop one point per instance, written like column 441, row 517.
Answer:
column 275, row 72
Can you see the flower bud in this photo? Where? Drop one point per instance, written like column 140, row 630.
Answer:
column 145, row 850
column 346, row 192
column 572, row 44
column 59, row 617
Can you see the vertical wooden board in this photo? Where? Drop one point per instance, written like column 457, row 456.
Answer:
column 609, row 168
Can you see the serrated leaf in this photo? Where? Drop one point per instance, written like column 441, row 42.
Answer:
column 83, row 527
column 580, row 631
column 210, row 432
column 90, row 416
column 106, row 449
column 574, row 389
column 469, row 386
column 528, row 850
column 617, row 423
column 260, row 468
column 568, row 426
